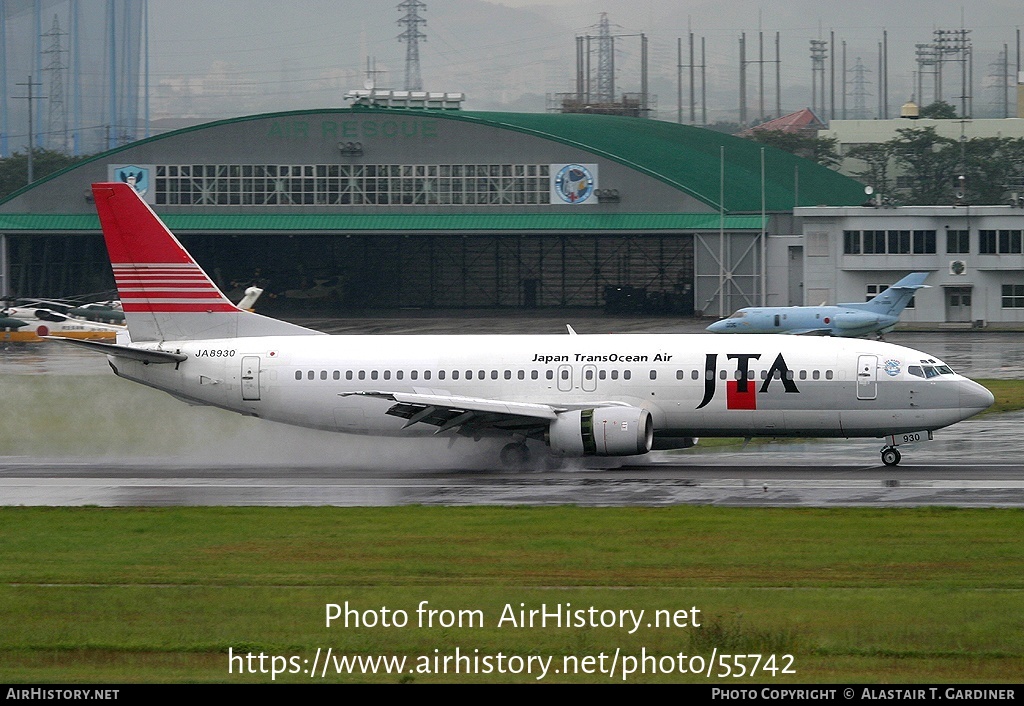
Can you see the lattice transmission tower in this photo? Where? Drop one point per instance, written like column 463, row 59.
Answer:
column 411, row 36
column 57, row 125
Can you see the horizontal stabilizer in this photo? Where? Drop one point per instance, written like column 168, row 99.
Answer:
column 144, row 354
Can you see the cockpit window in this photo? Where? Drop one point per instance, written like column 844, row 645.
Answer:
column 915, row 370
column 930, row 372
column 738, row 314
column 944, row 370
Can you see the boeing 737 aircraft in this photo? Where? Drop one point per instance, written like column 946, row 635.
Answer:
column 879, row 315
column 580, row 395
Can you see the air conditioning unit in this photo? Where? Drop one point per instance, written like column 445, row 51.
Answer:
column 957, row 267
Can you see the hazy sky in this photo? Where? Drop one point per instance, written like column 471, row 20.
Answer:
column 234, row 57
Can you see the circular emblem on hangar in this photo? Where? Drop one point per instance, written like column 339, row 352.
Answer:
column 574, row 183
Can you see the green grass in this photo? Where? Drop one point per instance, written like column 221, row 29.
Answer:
column 122, row 595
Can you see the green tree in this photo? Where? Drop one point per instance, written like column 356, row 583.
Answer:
column 939, row 110
column 14, row 169
column 877, row 172
column 822, row 150
column 930, row 164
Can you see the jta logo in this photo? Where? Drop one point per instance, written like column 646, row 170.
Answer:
column 740, row 391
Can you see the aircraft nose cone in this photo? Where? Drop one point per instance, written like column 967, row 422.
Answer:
column 974, row 396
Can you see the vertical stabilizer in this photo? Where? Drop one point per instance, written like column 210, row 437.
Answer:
column 894, row 299
column 165, row 295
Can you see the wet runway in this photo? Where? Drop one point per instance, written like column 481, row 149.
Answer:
column 972, row 464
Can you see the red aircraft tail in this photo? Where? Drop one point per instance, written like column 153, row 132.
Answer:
column 165, row 294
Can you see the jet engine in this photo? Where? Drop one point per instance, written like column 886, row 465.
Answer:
column 605, row 431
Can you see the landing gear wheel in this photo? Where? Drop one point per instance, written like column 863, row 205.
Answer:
column 890, row 456
column 515, row 455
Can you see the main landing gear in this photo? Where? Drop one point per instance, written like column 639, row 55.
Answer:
column 890, row 456
column 515, row 455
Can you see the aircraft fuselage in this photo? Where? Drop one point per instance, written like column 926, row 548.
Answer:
column 692, row 385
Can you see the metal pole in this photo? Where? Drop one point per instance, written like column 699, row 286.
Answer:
column 831, row 75
column 760, row 73
column 743, row 78
column 5, row 268
column 703, row 84
column 778, row 79
column 721, row 233
column 764, row 239
column 679, row 80
column 844, row 80
column 693, row 107
column 885, row 74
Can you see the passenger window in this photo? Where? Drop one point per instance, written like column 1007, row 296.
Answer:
column 828, row 374
column 373, row 374
column 764, row 374
column 337, row 375
column 483, row 375
column 494, row 375
column 601, row 374
column 508, row 374
column 816, row 374
column 565, row 374
column 298, row 374
column 615, row 375
column 550, row 374
column 588, row 374
column 695, row 375
column 469, row 374
column 387, row 374
column 534, row 375
column 722, row 374
column 310, row 375
column 426, row 374
column 803, row 374
column 323, row 374
column 627, row 374
column 400, row 374
column 679, row 375
column 414, row 374
column 709, row 374
column 654, row 375
column 521, row 374
column 362, row 374
column 348, row 374
column 455, row 375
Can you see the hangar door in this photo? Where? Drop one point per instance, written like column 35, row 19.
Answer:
column 338, row 272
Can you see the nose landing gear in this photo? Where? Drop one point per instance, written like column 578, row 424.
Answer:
column 890, row 456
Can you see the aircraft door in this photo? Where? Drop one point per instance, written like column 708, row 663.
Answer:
column 589, row 378
column 867, row 377
column 251, row 377
column 564, row 374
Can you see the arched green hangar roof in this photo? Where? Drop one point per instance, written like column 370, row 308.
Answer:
column 692, row 159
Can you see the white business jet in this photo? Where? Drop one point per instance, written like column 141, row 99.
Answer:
column 580, row 395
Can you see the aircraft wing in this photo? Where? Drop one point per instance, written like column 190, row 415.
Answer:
column 472, row 413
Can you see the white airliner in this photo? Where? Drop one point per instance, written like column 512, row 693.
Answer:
column 580, row 395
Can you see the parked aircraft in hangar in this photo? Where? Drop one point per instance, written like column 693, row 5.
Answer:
column 878, row 315
column 577, row 395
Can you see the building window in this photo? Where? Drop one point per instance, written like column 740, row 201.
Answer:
column 851, row 242
column 924, row 242
column 958, row 242
column 352, row 184
column 987, row 242
column 1013, row 296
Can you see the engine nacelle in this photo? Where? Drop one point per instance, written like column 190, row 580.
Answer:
column 605, row 431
